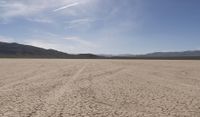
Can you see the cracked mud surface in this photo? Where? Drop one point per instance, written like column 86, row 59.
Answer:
column 99, row 88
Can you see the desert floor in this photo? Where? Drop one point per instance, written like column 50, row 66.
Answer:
column 99, row 88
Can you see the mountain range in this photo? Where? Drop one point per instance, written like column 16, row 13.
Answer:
column 15, row 50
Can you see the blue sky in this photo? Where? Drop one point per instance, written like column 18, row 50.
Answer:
column 102, row 26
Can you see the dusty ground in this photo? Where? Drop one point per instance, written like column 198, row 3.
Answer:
column 99, row 88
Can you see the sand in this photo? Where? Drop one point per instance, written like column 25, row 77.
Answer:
column 99, row 88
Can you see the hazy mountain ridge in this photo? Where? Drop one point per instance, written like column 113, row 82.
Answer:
column 193, row 55
column 184, row 53
column 15, row 50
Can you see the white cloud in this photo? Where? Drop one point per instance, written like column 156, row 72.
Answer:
column 80, row 24
column 41, row 43
column 40, row 20
column 64, row 46
column 6, row 39
column 34, row 8
column 66, row 6
column 77, row 21
column 69, row 44
column 14, row 9
column 80, row 41
column 72, row 38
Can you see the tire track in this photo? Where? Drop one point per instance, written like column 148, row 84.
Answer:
column 87, row 80
column 66, row 85
column 56, row 96
column 86, row 96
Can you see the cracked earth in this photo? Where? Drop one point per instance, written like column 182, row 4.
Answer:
column 99, row 88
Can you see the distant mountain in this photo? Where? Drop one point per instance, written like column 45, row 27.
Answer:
column 15, row 50
column 165, row 55
column 175, row 54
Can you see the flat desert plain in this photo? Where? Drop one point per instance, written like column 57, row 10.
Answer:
column 99, row 88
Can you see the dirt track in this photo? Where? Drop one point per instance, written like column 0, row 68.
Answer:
column 99, row 88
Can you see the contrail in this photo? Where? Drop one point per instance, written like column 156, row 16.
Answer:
column 66, row 6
